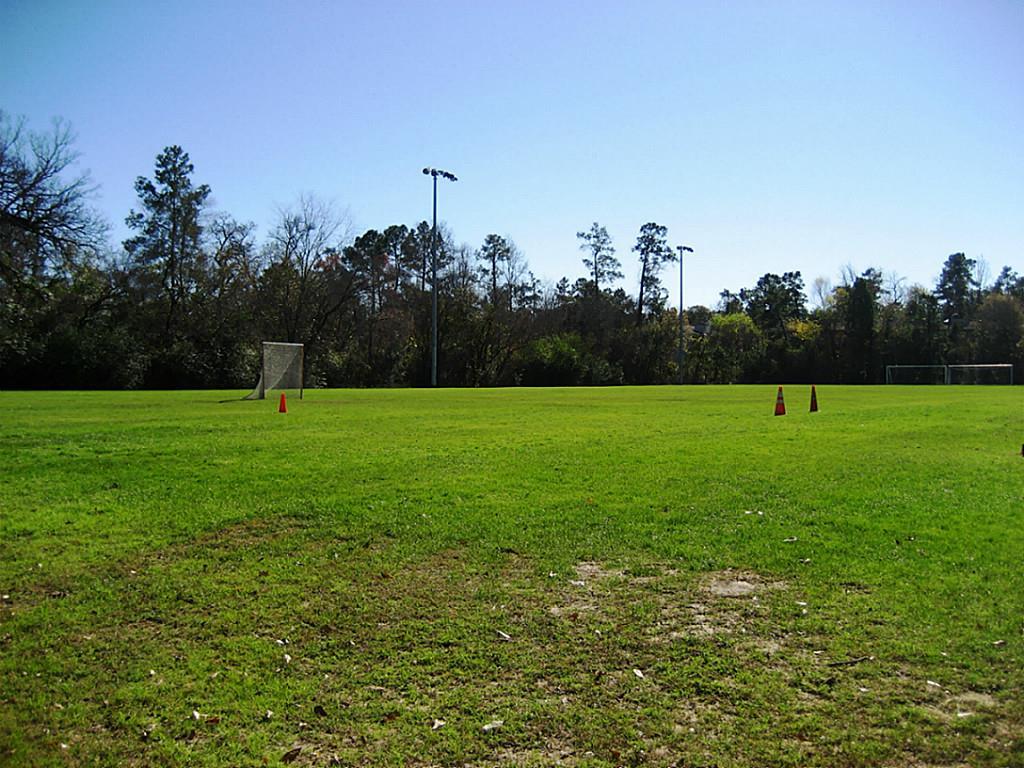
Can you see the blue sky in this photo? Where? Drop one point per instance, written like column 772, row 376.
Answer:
column 770, row 136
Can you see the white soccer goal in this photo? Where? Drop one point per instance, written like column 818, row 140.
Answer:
column 280, row 368
column 915, row 374
column 994, row 373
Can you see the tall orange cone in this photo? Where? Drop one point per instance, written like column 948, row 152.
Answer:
column 814, row 399
column 283, row 407
column 780, row 404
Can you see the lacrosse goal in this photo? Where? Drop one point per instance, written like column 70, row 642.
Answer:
column 280, row 368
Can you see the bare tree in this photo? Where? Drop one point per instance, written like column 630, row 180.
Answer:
column 982, row 274
column 821, row 292
column 894, row 287
column 48, row 232
column 514, row 270
column 305, row 280
column 46, row 224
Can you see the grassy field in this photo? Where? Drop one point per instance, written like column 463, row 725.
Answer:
column 586, row 577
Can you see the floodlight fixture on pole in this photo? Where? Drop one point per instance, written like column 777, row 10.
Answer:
column 435, row 172
column 682, row 327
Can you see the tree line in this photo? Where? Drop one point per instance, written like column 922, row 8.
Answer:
column 186, row 299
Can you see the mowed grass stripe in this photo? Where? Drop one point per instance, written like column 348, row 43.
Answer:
column 388, row 535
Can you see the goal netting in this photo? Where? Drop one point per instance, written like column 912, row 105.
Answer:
column 280, row 368
column 1001, row 373
column 915, row 374
column 994, row 373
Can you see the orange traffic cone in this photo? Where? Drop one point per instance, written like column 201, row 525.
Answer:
column 283, row 407
column 780, row 404
column 814, row 399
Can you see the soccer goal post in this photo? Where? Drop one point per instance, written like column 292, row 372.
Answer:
column 280, row 368
column 915, row 374
column 991, row 373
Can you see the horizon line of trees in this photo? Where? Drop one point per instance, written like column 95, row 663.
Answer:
column 185, row 301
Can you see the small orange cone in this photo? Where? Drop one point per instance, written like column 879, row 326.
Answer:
column 814, row 399
column 780, row 404
column 283, row 407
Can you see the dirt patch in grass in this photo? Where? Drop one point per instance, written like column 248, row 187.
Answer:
column 592, row 571
column 665, row 605
column 738, row 584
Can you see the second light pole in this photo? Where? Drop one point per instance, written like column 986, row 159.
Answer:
column 682, row 325
column 433, row 274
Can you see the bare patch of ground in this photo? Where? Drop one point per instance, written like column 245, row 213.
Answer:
column 677, row 606
column 591, row 571
column 738, row 584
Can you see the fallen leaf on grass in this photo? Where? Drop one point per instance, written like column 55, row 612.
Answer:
column 933, row 683
column 578, row 583
column 438, row 724
column 493, row 725
column 291, row 755
column 999, row 642
column 504, row 635
column 638, row 673
column 790, row 540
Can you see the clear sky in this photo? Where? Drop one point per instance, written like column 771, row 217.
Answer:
column 769, row 136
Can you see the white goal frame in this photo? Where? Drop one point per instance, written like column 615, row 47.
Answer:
column 948, row 371
column 281, row 367
column 952, row 370
column 891, row 370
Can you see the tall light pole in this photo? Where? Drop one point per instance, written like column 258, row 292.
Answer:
column 433, row 274
column 682, row 327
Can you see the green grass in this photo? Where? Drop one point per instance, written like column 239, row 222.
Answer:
column 350, row 567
